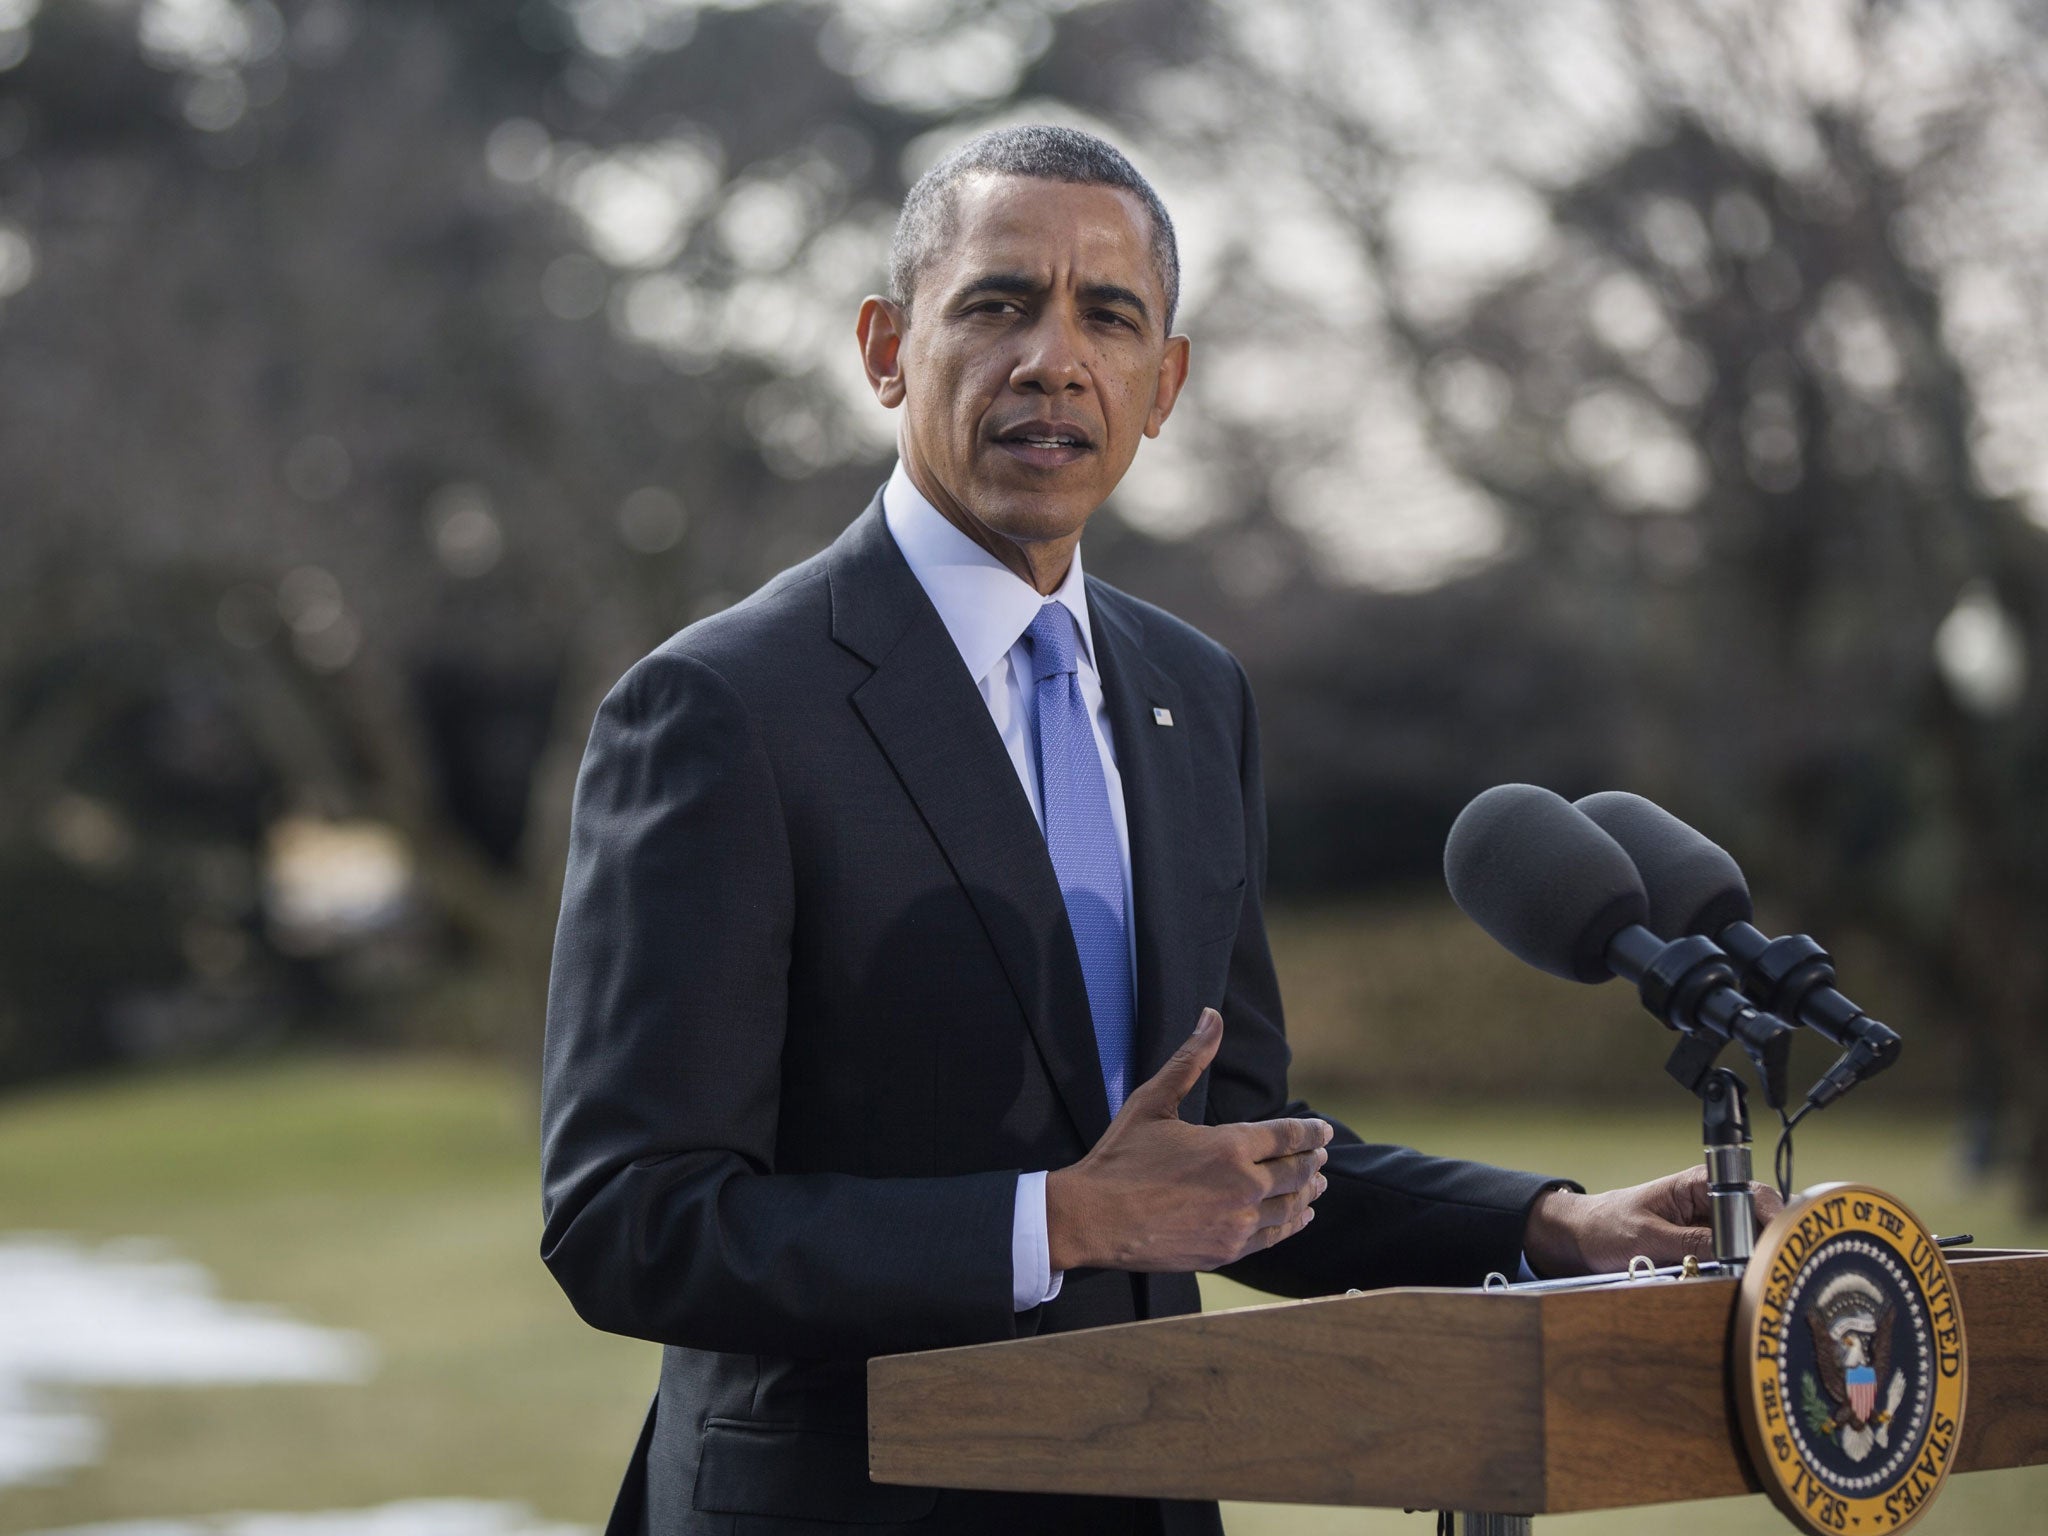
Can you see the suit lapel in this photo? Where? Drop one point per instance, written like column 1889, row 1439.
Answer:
column 1152, row 760
column 930, row 722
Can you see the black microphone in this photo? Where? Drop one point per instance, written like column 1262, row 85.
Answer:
column 1694, row 886
column 1557, row 892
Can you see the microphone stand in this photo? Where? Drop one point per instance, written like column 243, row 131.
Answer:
column 1725, row 1139
column 1724, row 1133
column 1688, row 984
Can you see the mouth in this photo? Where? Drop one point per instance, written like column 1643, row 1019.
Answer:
column 1045, row 444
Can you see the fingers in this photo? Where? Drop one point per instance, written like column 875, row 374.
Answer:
column 1159, row 1096
column 1661, row 1242
column 1279, row 1209
column 1768, row 1203
column 1284, row 1175
column 1265, row 1140
column 1680, row 1197
column 1666, row 1220
column 1266, row 1237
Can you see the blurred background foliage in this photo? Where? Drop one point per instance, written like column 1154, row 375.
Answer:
column 1595, row 394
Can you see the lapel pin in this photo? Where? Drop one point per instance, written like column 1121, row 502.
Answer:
column 1162, row 717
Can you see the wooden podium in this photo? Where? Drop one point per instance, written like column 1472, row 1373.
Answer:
column 1522, row 1402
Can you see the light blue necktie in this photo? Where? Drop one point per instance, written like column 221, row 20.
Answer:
column 1082, row 839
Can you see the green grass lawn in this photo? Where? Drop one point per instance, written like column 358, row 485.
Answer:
column 399, row 1198
column 396, row 1198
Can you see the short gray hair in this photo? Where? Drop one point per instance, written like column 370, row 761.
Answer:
column 1038, row 150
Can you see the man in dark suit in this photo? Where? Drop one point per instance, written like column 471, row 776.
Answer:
column 894, row 894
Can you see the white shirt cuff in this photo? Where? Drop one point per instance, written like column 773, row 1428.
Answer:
column 1523, row 1271
column 1032, row 1282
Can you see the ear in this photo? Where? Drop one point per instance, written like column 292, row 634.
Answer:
column 1173, row 373
column 880, row 328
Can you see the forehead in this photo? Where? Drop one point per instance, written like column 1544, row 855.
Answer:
column 1051, row 229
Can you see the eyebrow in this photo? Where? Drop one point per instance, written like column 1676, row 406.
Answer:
column 1016, row 285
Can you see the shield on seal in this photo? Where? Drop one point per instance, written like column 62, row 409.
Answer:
column 1862, row 1382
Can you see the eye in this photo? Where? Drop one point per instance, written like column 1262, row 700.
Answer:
column 1114, row 317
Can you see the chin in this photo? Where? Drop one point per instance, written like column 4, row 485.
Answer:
column 1041, row 508
column 1030, row 518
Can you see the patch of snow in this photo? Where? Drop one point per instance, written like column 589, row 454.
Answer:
column 407, row 1517
column 128, row 1314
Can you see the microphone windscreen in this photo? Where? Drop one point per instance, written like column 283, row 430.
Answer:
column 1692, row 883
column 1549, row 886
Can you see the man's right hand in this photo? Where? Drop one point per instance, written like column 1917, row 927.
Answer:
column 1159, row 1194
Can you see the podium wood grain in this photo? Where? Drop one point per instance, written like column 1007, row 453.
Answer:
column 1432, row 1399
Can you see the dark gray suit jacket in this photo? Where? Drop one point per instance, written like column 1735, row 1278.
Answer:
column 815, row 1004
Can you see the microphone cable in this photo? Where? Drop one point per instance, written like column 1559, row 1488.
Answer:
column 1781, row 1160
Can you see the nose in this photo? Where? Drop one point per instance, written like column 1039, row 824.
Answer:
column 1052, row 362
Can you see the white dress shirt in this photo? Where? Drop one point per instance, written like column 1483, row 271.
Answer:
column 986, row 608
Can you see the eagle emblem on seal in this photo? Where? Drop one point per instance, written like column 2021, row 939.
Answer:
column 1851, row 1321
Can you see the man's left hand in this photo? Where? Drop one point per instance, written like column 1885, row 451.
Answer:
column 1664, row 1220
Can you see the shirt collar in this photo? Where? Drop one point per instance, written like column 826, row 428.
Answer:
column 985, row 606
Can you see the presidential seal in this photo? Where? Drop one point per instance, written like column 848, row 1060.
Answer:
column 1848, row 1363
